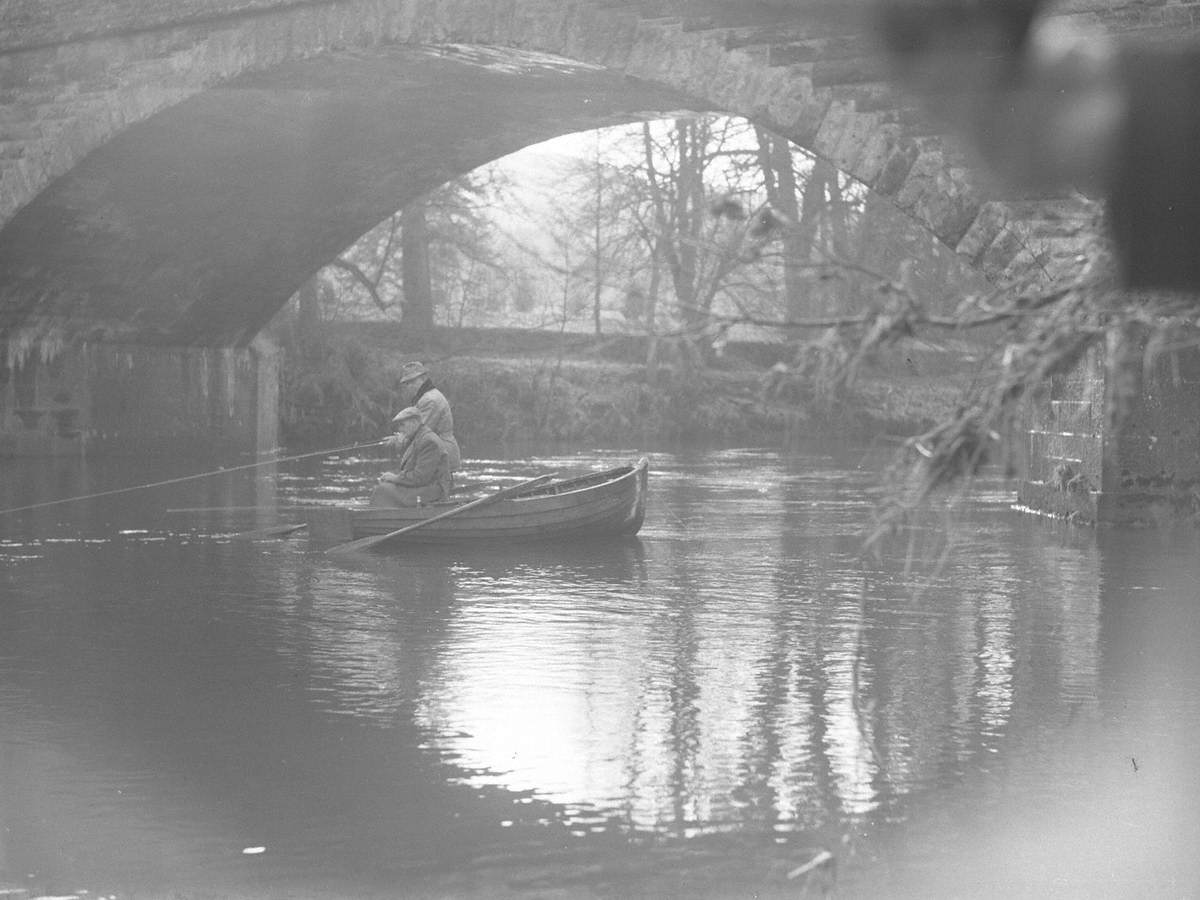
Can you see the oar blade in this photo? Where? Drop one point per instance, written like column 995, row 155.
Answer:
column 360, row 544
column 276, row 531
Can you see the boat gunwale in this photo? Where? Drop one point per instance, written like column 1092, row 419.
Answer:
column 544, row 492
column 615, row 515
column 507, row 507
column 616, row 500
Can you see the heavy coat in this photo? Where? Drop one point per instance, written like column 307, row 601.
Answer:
column 435, row 412
column 424, row 474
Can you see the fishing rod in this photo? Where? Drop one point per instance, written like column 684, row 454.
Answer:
column 182, row 478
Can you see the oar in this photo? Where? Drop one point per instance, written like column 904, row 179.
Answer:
column 364, row 543
column 275, row 531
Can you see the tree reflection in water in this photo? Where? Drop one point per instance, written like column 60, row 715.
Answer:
column 738, row 679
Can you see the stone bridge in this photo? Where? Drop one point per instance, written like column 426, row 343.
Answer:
column 172, row 170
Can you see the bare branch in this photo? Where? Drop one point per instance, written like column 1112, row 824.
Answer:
column 363, row 280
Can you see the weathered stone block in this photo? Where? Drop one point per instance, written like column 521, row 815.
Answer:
column 878, row 147
column 899, row 162
column 843, row 135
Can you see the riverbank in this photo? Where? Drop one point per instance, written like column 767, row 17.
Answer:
column 513, row 387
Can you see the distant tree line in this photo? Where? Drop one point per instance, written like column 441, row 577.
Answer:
column 689, row 230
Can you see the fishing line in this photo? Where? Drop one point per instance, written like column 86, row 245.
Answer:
column 226, row 471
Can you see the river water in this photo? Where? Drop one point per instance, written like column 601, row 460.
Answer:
column 736, row 704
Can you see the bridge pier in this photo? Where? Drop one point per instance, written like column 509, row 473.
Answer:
column 1144, row 472
column 99, row 398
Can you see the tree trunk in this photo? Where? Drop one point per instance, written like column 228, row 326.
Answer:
column 308, row 313
column 652, row 316
column 597, row 245
column 779, row 175
column 418, row 291
column 806, row 236
column 684, row 275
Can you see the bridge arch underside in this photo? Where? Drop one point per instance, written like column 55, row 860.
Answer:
column 194, row 226
column 171, row 173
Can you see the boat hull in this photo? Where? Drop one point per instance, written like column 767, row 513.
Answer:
column 604, row 504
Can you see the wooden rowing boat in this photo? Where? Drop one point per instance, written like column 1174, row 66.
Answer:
column 611, row 503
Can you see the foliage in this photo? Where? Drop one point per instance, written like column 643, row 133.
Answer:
column 695, row 232
column 366, row 280
column 330, row 384
column 517, row 400
column 333, row 387
column 345, row 389
column 709, row 229
column 741, row 233
column 1047, row 329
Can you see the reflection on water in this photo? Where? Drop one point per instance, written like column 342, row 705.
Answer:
column 1014, row 713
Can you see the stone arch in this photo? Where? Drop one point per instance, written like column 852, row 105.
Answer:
column 85, row 81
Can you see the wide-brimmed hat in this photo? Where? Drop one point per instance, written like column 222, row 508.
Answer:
column 409, row 412
column 411, row 371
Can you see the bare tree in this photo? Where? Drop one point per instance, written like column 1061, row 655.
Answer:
column 777, row 162
column 369, row 265
column 699, row 251
column 413, row 263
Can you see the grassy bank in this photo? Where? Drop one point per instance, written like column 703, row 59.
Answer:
column 348, row 389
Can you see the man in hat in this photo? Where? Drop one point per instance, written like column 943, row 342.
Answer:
column 416, row 389
column 424, row 475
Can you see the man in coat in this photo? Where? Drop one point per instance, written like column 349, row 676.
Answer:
column 424, row 474
column 417, row 390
